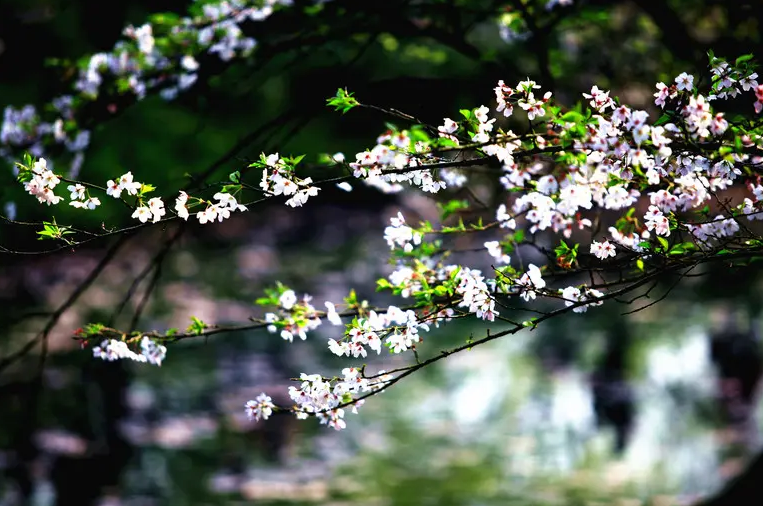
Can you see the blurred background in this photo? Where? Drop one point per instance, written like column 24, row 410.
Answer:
column 659, row 407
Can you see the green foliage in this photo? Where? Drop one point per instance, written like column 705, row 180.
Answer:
column 452, row 206
column 342, row 101
column 197, row 326
column 52, row 230
column 566, row 256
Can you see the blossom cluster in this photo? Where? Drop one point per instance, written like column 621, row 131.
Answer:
column 164, row 55
column 260, row 408
column 730, row 80
column 475, row 292
column 573, row 295
column 218, row 211
column 23, row 127
column 42, row 183
column 656, row 220
column 324, row 397
column 398, row 234
column 401, row 329
column 150, row 351
column 295, row 317
column 531, row 283
column 393, row 161
column 278, row 178
column 80, row 197
column 153, row 210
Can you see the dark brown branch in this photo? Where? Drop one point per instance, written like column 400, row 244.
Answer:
column 81, row 288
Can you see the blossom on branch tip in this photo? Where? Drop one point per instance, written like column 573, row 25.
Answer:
column 260, row 408
column 127, row 184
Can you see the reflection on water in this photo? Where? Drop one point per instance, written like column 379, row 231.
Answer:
column 545, row 426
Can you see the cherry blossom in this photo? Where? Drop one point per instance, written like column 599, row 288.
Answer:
column 684, row 82
column 142, row 213
column 399, row 234
column 603, row 250
column 112, row 349
column 530, row 282
column 77, row 191
column 556, row 183
column 260, row 408
column 180, row 205
column 126, row 183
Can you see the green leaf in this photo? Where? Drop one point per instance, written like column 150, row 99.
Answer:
column 451, row 207
column 676, row 250
column 342, row 101
column 163, row 18
column 440, row 291
column 312, row 10
column 640, row 264
column 562, row 249
column 197, row 326
column 572, row 117
column 92, row 329
column 663, row 242
column 52, row 231
column 352, row 298
column 662, row 120
column 743, row 58
column 443, row 142
column 264, row 301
